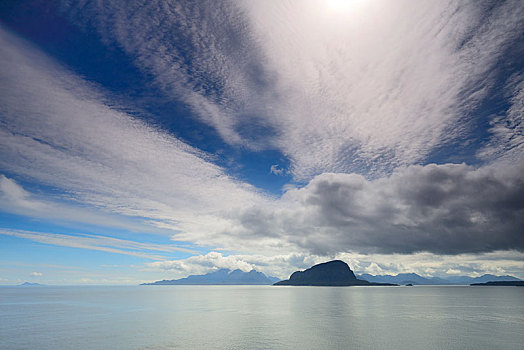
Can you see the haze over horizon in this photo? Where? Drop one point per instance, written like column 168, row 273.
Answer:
column 150, row 140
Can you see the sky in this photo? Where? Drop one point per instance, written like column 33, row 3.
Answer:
column 147, row 140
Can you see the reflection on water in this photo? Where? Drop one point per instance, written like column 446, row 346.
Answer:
column 262, row 317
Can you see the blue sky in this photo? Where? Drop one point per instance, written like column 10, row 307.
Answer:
column 152, row 140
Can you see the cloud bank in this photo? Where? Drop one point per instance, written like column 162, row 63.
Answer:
column 424, row 264
column 442, row 209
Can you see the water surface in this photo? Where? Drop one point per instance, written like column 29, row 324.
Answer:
column 261, row 317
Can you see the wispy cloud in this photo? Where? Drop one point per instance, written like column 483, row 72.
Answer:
column 507, row 131
column 373, row 86
column 381, row 83
column 276, row 170
column 58, row 131
column 97, row 242
column 15, row 199
column 198, row 52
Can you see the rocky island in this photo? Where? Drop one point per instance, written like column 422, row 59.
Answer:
column 332, row 273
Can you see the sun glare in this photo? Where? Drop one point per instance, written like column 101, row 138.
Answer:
column 339, row 5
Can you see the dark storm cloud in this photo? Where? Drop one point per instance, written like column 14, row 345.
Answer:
column 444, row 209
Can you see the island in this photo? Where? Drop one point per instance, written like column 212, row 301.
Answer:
column 334, row 273
column 30, row 284
column 500, row 283
column 221, row 277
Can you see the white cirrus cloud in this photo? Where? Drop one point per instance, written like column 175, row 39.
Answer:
column 97, row 242
column 507, row 131
column 15, row 199
column 366, row 88
column 275, row 169
column 57, row 130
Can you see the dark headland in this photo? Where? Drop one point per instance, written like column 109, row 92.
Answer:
column 500, row 283
column 332, row 273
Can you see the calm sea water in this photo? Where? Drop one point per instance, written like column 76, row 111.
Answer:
column 261, row 317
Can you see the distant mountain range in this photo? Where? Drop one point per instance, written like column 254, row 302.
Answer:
column 332, row 273
column 413, row 278
column 222, row 277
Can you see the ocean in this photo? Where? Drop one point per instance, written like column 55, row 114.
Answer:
column 261, row 317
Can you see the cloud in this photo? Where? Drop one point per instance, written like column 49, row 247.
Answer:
column 276, row 265
column 380, row 84
column 15, row 199
column 36, row 274
column 202, row 263
column 282, row 265
column 58, row 131
column 431, row 265
column 197, row 52
column 97, row 242
column 369, row 91
column 507, row 131
column 14, row 193
column 443, row 209
column 276, row 170
column 376, row 86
